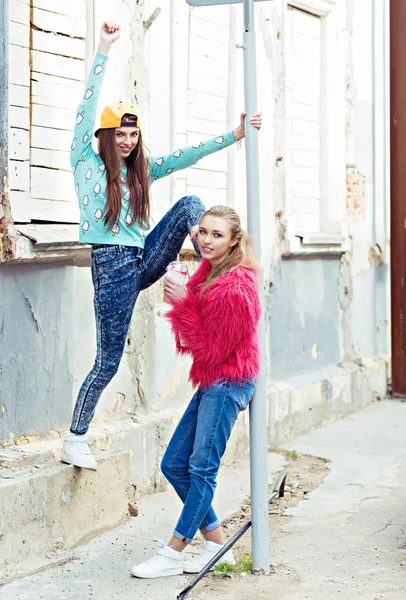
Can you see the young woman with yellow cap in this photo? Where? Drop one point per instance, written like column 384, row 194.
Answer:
column 113, row 193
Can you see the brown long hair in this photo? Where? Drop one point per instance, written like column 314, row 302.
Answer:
column 241, row 255
column 137, row 178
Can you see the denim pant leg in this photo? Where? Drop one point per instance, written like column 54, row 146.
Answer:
column 175, row 462
column 117, row 280
column 165, row 241
column 218, row 410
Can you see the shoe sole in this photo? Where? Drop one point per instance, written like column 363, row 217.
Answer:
column 77, row 463
column 167, row 573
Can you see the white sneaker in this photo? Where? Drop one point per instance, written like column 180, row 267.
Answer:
column 166, row 561
column 209, row 549
column 76, row 452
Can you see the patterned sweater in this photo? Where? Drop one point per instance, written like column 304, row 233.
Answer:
column 90, row 172
column 221, row 347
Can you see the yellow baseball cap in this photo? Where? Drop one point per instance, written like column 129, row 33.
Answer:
column 113, row 113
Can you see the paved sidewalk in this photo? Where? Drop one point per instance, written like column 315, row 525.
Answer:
column 346, row 541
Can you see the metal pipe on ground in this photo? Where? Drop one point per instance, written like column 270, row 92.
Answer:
column 278, row 490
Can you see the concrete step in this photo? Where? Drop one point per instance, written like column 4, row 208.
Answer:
column 100, row 568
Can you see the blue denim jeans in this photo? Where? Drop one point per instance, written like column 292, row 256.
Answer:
column 119, row 273
column 192, row 458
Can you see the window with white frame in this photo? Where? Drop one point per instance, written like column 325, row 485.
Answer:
column 315, row 96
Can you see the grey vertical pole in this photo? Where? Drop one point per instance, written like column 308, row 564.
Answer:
column 258, row 412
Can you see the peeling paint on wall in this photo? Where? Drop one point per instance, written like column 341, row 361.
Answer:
column 355, row 200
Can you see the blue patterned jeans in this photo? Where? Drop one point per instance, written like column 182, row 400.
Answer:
column 192, row 458
column 119, row 273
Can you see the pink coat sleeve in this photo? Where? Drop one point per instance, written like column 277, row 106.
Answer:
column 230, row 311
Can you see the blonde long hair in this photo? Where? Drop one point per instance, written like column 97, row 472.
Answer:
column 241, row 255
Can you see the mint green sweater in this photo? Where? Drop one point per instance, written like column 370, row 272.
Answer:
column 90, row 172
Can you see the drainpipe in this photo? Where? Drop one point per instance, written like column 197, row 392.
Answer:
column 381, row 149
column 380, row 170
column 386, row 175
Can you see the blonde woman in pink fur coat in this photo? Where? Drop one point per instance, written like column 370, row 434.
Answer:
column 214, row 319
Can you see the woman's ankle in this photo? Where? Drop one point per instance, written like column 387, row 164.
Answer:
column 176, row 544
column 215, row 535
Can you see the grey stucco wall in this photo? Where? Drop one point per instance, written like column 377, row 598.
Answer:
column 48, row 345
column 35, row 357
column 304, row 316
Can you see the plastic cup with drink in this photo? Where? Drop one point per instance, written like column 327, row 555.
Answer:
column 176, row 271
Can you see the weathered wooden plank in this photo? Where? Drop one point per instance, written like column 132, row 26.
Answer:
column 72, row 8
column 218, row 14
column 55, row 211
column 56, row 159
column 19, row 34
column 50, row 139
column 51, row 64
column 19, row 65
column 205, row 127
column 19, row 173
column 20, row 206
column 210, row 196
column 304, row 142
column 198, row 46
column 57, row 118
column 19, row 95
column 49, row 21
column 49, row 90
column 19, row 144
column 58, row 44
column 19, row 117
column 207, row 99
column 201, row 83
column 49, row 184
column 201, row 111
column 202, row 65
column 214, row 162
column 216, row 33
column 20, row 12
column 204, row 178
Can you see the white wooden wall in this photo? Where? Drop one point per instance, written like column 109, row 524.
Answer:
column 188, row 60
column 208, row 73
column 303, row 73
column 47, row 71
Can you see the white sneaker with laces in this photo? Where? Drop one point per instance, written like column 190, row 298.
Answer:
column 76, row 452
column 209, row 549
column 166, row 561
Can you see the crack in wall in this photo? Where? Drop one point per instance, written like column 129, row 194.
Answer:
column 33, row 315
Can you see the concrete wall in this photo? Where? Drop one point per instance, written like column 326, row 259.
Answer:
column 304, row 317
column 49, row 345
column 36, row 361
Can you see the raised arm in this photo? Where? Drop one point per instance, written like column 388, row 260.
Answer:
column 86, row 114
column 164, row 165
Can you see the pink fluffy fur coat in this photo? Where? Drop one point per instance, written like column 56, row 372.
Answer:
column 219, row 328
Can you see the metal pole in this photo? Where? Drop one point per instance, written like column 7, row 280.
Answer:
column 258, row 412
column 398, row 194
